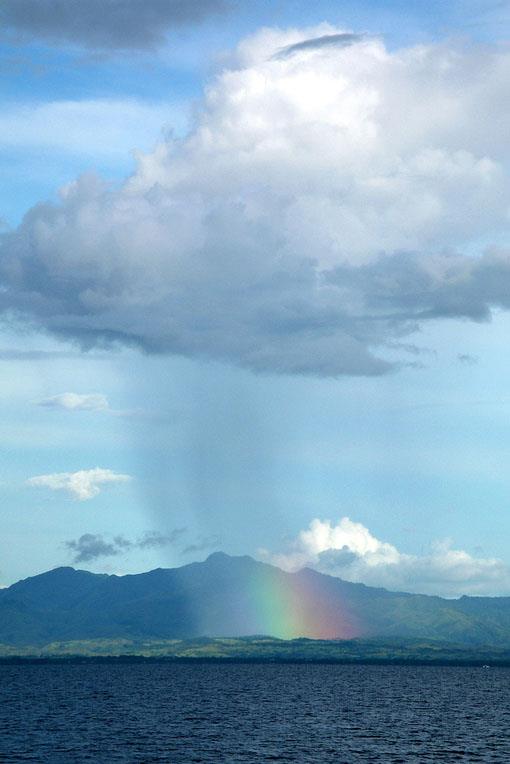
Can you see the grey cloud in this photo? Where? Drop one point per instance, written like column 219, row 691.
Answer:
column 411, row 348
column 102, row 24
column 288, row 316
column 123, row 543
column 154, row 540
column 334, row 559
column 289, row 319
column 92, row 546
column 316, row 43
column 467, row 359
column 270, row 317
column 419, row 286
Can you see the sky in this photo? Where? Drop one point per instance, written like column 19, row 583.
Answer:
column 255, row 288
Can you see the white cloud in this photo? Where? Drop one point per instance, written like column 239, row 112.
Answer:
column 81, row 485
column 77, row 402
column 348, row 550
column 327, row 201
column 89, row 402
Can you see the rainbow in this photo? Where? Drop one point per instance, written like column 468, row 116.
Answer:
column 292, row 605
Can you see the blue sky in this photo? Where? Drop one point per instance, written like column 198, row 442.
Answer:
column 277, row 298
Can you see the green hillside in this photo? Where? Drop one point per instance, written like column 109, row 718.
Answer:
column 234, row 597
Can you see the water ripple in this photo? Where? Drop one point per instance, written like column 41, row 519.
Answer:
column 228, row 714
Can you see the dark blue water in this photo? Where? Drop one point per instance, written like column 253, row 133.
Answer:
column 253, row 713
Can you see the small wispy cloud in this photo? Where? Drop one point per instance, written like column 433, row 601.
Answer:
column 76, row 402
column 153, row 539
column 341, row 40
column 92, row 546
column 81, row 485
column 18, row 354
column 90, row 402
column 467, row 359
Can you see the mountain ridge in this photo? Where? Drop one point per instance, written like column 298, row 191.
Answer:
column 235, row 596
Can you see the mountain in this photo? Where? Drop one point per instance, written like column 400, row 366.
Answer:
column 234, row 597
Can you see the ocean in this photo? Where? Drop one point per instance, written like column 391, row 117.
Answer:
column 211, row 713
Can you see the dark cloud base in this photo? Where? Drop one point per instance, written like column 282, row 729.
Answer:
column 101, row 24
column 306, row 322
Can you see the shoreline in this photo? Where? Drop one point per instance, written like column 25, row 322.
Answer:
column 141, row 659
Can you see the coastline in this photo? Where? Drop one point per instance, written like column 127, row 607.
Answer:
column 258, row 650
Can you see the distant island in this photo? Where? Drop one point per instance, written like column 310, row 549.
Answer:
column 211, row 610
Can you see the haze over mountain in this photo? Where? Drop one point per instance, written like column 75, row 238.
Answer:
column 231, row 597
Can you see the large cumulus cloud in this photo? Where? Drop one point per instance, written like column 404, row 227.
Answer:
column 349, row 550
column 330, row 198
